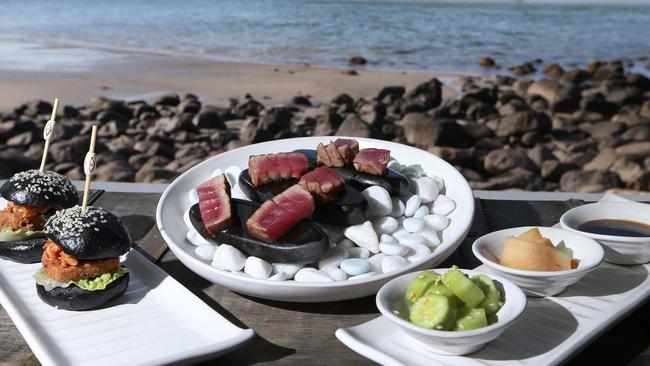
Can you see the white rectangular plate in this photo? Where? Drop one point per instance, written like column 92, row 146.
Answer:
column 551, row 329
column 157, row 321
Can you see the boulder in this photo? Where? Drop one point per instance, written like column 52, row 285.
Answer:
column 301, row 100
column 553, row 70
column 155, row 175
column 588, row 181
column 23, row 139
column 192, row 106
column 73, row 149
column 602, row 161
column 181, row 122
column 552, row 170
column 516, row 178
column 251, row 134
column 425, row 130
column 502, row 160
column 36, row 107
column 539, row 154
column 168, row 100
column 522, row 122
column 327, row 124
column 602, row 129
column 629, row 172
column 477, row 131
column 357, row 60
column 454, row 156
column 523, row 69
column 389, row 94
column 343, row 99
column 627, row 95
column 637, row 133
column 208, row 119
column 356, row 127
column 137, row 161
column 115, row 170
column 248, row 108
column 276, row 120
column 486, row 62
column 428, row 94
column 639, row 150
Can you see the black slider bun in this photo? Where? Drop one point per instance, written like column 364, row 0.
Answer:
column 95, row 234
column 23, row 251
column 36, row 188
column 76, row 299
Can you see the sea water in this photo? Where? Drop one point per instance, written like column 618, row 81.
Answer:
column 390, row 34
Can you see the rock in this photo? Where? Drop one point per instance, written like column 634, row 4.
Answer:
column 155, row 148
column 515, row 178
column 357, row 60
column 423, row 129
column 588, row 181
column 551, row 90
column 13, row 161
column 637, row 133
column 191, row 106
column 454, row 156
column 350, row 72
column 249, row 133
column 628, row 95
column 428, row 94
column 503, row 160
column 22, row 139
column 168, row 100
column 521, row 122
column 389, row 94
column 137, row 161
column 628, row 171
column 144, row 109
column 552, row 170
column 181, row 122
column 634, row 150
column 530, row 138
column 248, row 108
column 73, row 149
column 477, row 131
column 36, row 107
column 638, row 80
column 645, row 109
column 553, row 70
column 486, row 62
column 154, row 175
column 603, row 161
column 355, row 127
column 301, row 100
column 112, row 128
column 575, row 76
column 523, row 69
column 343, row 99
column 275, row 121
column 208, row 119
column 602, row 129
column 116, row 170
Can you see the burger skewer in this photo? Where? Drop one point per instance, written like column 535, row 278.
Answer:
column 89, row 166
column 47, row 132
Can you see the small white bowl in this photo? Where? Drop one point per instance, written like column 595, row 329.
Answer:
column 618, row 249
column 538, row 283
column 391, row 298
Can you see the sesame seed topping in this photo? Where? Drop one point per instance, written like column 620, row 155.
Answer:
column 74, row 222
column 42, row 182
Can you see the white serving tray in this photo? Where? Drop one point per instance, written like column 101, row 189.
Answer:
column 157, row 321
column 550, row 331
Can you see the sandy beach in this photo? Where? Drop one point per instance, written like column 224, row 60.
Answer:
column 76, row 73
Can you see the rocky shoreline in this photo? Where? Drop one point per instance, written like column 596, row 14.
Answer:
column 585, row 130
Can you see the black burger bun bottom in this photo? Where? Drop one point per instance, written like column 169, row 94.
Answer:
column 23, row 251
column 76, row 299
column 36, row 188
column 91, row 235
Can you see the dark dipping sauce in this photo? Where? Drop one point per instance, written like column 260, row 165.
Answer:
column 628, row 228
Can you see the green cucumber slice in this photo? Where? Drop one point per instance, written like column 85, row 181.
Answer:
column 442, row 290
column 23, row 234
column 433, row 312
column 469, row 319
column 492, row 302
column 419, row 285
column 463, row 287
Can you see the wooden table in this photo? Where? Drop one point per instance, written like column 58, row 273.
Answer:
column 303, row 334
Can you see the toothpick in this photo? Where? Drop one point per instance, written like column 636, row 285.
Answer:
column 47, row 132
column 89, row 167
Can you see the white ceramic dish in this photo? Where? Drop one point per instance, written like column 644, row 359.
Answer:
column 157, row 321
column 447, row 342
column 618, row 249
column 549, row 332
column 535, row 283
column 174, row 203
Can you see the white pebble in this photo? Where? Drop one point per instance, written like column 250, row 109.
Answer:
column 232, row 174
column 412, row 205
column 257, row 268
column 417, row 248
column 335, row 273
column 195, row 238
column 355, row 266
column 433, row 240
column 439, row 181
column 280, row 276
column 393, row 249
column 413, row 225
column 289, row 269
column 216, row 173
column 309, row 274
column 392, row 263
column 205, row 252
column 345, row 244
column 194, row 197
column 385, row 238
column 358, row 252
column 421, row 212
column 410, row 239
column 186, row 219
column 443, row 205
column 228, row 258
column 363, row 235
column 426, row 188
column 398, row 207
column 436, row 222
column 416, row 257
column 399, row 233
column 358, row 277
column 334, row 258
column 379, row 201
column 375, row 262
column 385, row 225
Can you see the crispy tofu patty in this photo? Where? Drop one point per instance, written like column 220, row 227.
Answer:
column 16, row 217
column 64, row 267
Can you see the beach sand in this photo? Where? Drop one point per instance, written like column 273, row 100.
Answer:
column 76, row 74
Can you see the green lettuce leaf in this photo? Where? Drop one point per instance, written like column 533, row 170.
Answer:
column 22, row 234
column 93, row 284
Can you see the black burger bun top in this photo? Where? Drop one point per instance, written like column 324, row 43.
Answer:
column 95, row 234
column 36, row 188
